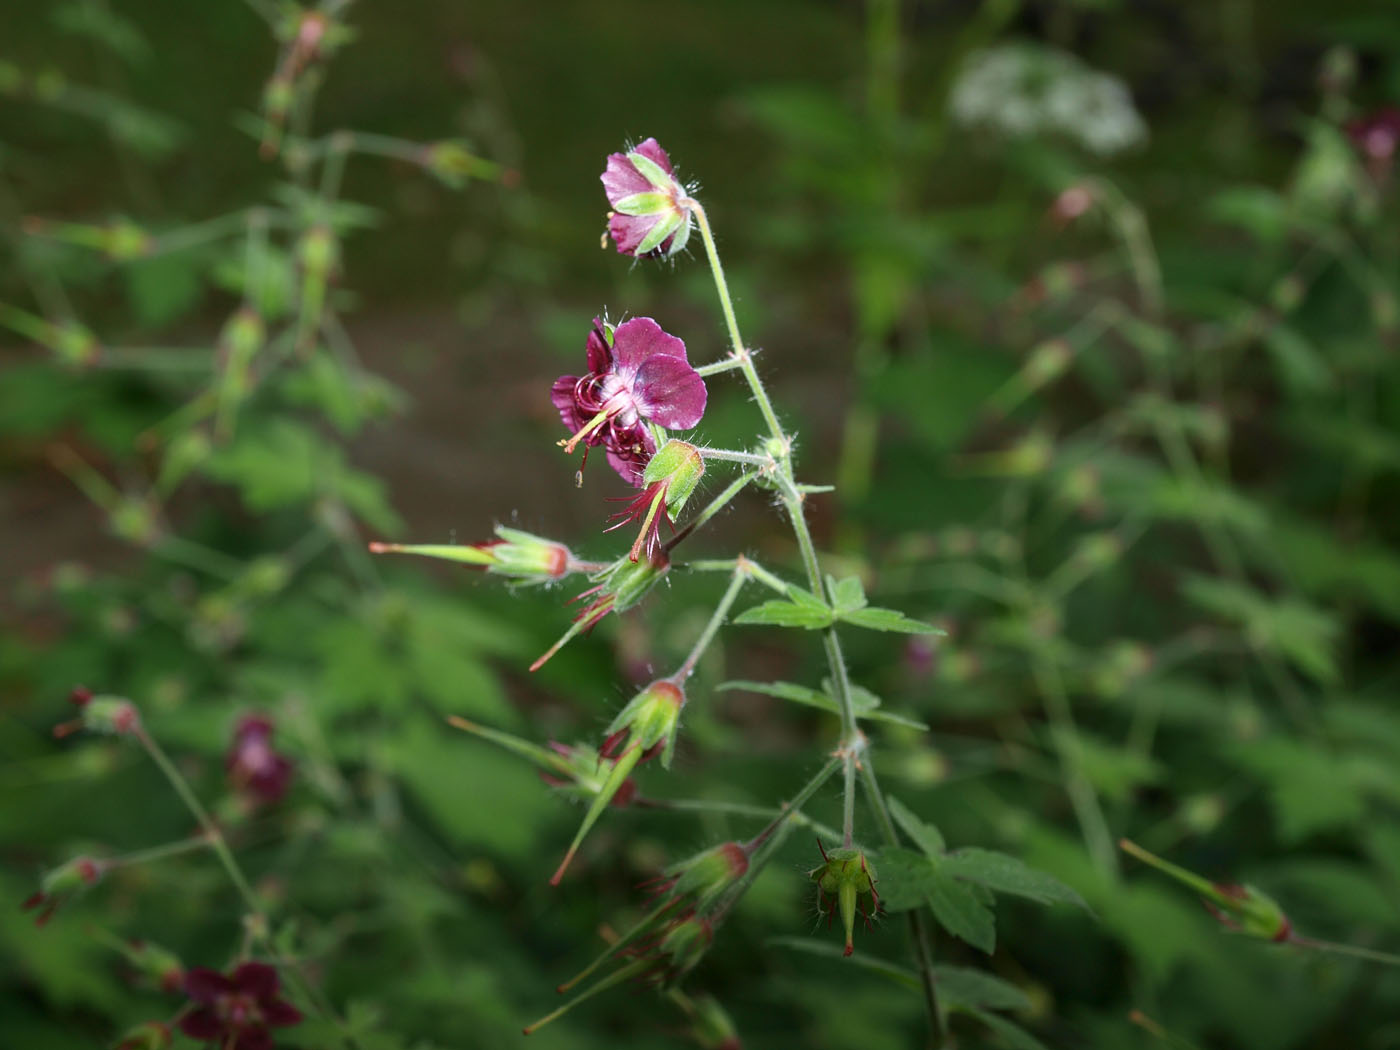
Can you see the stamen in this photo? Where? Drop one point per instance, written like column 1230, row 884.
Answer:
column 571, row 443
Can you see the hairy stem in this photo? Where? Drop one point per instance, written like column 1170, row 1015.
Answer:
column 793, row 500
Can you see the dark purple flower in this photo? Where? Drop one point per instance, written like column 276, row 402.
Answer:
column 650, row 214
column 253, row 767
column 636, row 374
column 1377, row 135
column 236, row 1010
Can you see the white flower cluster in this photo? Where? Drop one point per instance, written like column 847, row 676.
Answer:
column 1022, row 90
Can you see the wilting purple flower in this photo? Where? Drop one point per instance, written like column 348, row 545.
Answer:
column 253, row 766
column 236, row 1011
column 637, row 374
column 650, row 215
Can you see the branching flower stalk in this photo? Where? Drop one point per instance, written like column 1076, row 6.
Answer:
column 857, row 755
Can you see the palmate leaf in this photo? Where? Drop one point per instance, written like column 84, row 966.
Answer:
column 910, row 880
column 958, row 887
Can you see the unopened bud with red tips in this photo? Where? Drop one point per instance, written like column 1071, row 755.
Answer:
column 668, row 481
column 149, row 1035
column 1243, row 909
column 649, row 721
column 514, row 554
column 645, row 726
column 682, row 947
column 62, row 884
column 846, row 882
column 114, row 715
column 618, row 586
column 700, row 881
column 160, row 966
column 578, row 771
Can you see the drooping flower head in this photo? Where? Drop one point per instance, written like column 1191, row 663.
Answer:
column 254, row 768
column 637, row 374
column 650, row 216
column 235, row 1011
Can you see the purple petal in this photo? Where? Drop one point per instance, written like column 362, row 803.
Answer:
column 256, row 979
column 668, row 391
column 252, row 1039
column 279, row 1014
column 629, row 452
column 621, row 177
column 203, row 1024
column 204, row 985
column 562, row 394
column 651, row 150
column 637, row 341
column 599, row 352
column 628, row 231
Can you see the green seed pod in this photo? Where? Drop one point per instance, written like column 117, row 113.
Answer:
column 846, row 877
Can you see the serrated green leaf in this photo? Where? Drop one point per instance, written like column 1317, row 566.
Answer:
column 908, row 880
column 1006, row 874
column 786, row 614
column 877, row 619
column 847, row 595
column 925, row 836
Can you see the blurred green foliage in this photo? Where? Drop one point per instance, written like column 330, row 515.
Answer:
column 1121, row 417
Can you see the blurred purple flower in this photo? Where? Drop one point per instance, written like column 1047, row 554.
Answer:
column 254, row 768
column 236, row 1010
column 650, row 216
column 637, row 374
column 1377, row 135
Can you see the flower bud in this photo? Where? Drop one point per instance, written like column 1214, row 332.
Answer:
column 515, row 554
column 114, row 715
column 647, row 724
column 617, row 587
column 650, row 210
column 62, row 884
column 667, row 482
column 648, row 721
column 845, row 881
column 701, row 880
column 682, row 947
column 1243, row 909
column 161, row 967
column 1248, row 911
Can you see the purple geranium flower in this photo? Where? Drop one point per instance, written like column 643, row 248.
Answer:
column 254, row 768
column 650, row 210
column 636, row 374
column 236, row 1011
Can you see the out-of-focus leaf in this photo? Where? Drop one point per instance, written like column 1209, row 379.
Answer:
column 1302, row 634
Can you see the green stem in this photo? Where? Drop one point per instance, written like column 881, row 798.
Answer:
column 1355, row 951
column 260, row 926
column 714, row 368
column 751, row 458
column 736, row 584
column 170, row 849
column 793, row 500
column 712, row 508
